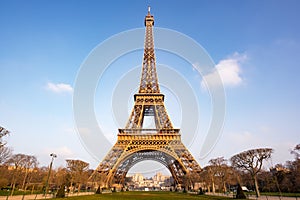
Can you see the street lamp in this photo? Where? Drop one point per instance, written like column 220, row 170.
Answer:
column 50, row 168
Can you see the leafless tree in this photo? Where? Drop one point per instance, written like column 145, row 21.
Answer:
column 220, row 171
column 5, row 152
column 79, row 171
column 195, row 178
column 189, row 181
column 16, row 161
column 296, row 152
column 3, row 132
column 252, row 161
column 294, row 170
column 22, row 165
column 97, row 179
column 30, row 163
column 60, row 177
column 211, row 173
column 186, row 181
column 206, row 178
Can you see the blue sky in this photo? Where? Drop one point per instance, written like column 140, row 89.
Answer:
column 256, row 43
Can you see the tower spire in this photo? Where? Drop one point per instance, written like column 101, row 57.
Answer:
column 149, row 102
column 149, row 79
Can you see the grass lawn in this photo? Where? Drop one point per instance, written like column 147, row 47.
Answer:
column 144, row 196
column 16, row 192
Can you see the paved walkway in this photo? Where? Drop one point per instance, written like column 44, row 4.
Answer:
column 40, row 196
column 259, row 198
column 274, row 198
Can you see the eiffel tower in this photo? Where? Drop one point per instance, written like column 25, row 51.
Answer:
column 137, row 142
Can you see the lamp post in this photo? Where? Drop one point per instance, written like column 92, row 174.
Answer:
column 50, row 168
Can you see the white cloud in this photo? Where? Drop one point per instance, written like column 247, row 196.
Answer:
column 229, row 70
column 59, row 87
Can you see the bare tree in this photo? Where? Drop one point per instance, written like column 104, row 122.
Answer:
column 3, row 132
column 5, row 152
column 30, row 163
column 296, row 152
column 194, row 180
column 252, row 161
column 79, row 171
column 22, row 165
column 60, row 177
column 294, row 169
column 16, row 161
column 220, row 171
column 211, row 173
column 206, row 177
column 97, row 179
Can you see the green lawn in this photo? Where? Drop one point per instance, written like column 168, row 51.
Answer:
column 144, row 196
column 17, row 192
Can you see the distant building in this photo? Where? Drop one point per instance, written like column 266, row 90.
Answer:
column 137, row 178
column 157, row 182
column 160, row 177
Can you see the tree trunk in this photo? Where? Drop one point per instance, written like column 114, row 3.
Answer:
column 13, row 188
column 78, row 188
column 24, row 180
column 32, row 189
column 213, row 187
column 256, row 186
column 72, row 187
column 13, row 184
column 224, row 187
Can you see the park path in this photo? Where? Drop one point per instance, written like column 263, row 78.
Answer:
column 274, row 198
column 262, row 197
column 40, row 196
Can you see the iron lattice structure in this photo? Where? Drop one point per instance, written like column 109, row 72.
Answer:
column 136, row 142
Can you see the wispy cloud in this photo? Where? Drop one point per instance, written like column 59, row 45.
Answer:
column 59, row 87
column 229, row 70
